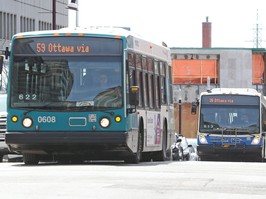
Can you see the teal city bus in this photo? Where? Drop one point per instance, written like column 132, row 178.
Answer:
column 59, row 108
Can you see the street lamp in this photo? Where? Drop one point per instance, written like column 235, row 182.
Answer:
column 73, row 5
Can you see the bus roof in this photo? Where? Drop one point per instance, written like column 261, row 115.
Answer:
column 236, row 91
column 134, row 41
column 102, row 30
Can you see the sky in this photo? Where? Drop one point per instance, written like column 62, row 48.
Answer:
column 178, row 23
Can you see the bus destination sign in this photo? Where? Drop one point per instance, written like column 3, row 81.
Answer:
column 221, row 100
column 68, row 46
column 49, row 47
column 229, row 100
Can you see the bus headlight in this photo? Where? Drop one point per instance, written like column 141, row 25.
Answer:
column 256, row 140
column 27, row 122
column 202, row 139
column 104, row 122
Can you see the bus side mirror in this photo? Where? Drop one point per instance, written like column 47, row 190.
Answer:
column 194, row 108
column 133, row 98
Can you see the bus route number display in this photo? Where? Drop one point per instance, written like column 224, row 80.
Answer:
column 50, row 47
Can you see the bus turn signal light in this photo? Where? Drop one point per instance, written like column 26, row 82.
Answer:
column 14, row 118
column 118, row 119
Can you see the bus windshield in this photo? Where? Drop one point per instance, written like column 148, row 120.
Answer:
column 60, row 73
column 227, row 114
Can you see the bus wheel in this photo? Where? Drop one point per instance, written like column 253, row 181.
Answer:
column 30, row 159
column 136, row 157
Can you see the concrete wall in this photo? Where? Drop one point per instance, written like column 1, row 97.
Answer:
column 235, row 68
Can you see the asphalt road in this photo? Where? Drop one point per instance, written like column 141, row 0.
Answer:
column 115, row 180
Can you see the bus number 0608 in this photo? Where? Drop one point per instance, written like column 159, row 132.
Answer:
column 46, row 119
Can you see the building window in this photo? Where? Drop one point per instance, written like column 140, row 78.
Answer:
column 186, row 71
column 8, row 25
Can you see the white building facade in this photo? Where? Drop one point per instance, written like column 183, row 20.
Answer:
column 30, row 15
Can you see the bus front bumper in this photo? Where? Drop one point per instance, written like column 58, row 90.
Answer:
column 67, row 142
column 229, row 150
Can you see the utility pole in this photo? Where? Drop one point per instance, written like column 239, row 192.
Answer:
column 54, row 14
column 257, row 33
column 180, row 112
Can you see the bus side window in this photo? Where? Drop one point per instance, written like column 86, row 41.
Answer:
column 140, row 85
column 139, row 79
column 157, row 90
column 162, row 83
column 131, row 69
column 171, row 84
column 151, row 82
column 144, row 82
column 151, row 90
column 147, row 89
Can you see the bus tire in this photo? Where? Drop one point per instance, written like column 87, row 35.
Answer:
column 136, row 157
column 30, row 159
